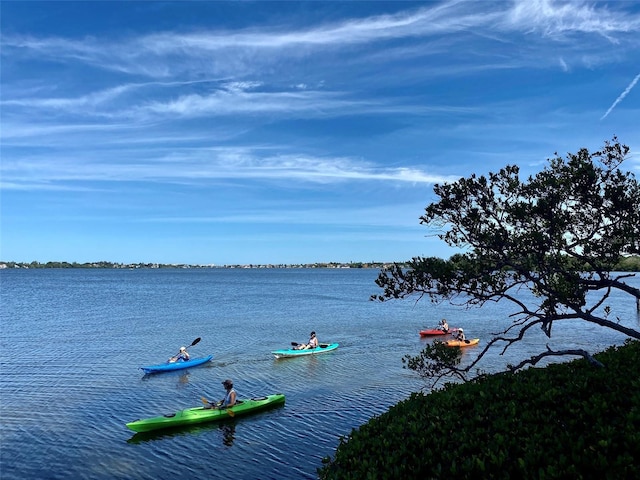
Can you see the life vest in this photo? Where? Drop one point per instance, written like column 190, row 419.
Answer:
column 227, row 398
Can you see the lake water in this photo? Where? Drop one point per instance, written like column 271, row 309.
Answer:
column 73, row 342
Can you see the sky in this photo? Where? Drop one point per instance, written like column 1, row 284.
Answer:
column 289, row 132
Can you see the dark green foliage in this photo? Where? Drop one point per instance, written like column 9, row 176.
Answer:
column 435, row 361
column 628, row 264
column 565, row 421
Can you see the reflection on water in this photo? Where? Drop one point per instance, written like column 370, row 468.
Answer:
column 181, row 378
column 228, row 433
column 226, row 427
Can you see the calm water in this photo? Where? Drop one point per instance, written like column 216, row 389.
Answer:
column 73, row 342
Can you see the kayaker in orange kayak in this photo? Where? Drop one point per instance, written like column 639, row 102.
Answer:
column 459, row 335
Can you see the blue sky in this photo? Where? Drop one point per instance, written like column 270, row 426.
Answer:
column 289, row 132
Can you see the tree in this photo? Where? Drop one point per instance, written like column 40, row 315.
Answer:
column 558, row 234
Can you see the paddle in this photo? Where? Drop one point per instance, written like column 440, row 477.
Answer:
column 321, row 345
column 209, row 404
column 195, row 342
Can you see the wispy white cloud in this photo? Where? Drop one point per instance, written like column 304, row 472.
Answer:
column 179, row 59
column 130, row 106
column 118, row 104
column 557, row 18
column 238, row 100
column 563, row 64
column 621, row 96
column 203, row 166
column 286, row 213
column 166, row 54
column 93, row 99
column 71, row 103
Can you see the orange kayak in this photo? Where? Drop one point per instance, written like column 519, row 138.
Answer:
column 428, row 332
column 458, row 343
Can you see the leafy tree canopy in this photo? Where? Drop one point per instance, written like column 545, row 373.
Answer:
column 557, row 234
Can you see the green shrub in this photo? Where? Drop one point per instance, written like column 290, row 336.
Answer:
column 569, row 420
column 629, row 264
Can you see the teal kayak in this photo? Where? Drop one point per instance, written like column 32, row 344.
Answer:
column 322, row 348
column 192, row 416
column 179, row 365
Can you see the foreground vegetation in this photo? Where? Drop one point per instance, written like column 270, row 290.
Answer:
column 571, row 420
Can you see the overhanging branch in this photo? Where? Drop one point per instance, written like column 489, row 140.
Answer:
column 557, row 353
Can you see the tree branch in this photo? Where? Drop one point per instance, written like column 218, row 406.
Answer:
column 551, row 353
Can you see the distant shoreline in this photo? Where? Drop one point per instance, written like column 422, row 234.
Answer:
column 133, row 266
column 629, row 263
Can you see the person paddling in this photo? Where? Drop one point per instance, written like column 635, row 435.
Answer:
column 444, row 326
column 230, row 398
column 183, row 356
column 313, row 343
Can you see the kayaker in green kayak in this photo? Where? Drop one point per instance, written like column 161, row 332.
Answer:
column 230, row 398
column 313, row 343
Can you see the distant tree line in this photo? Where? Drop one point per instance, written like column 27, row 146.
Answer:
column 624, row 264
column 102, row 264
column 105, row 264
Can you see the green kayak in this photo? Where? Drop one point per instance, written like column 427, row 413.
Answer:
column 192, row 416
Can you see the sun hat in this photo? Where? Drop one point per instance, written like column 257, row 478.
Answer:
column 182, row 349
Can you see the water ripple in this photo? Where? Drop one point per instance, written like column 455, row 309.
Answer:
column 81, row 337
